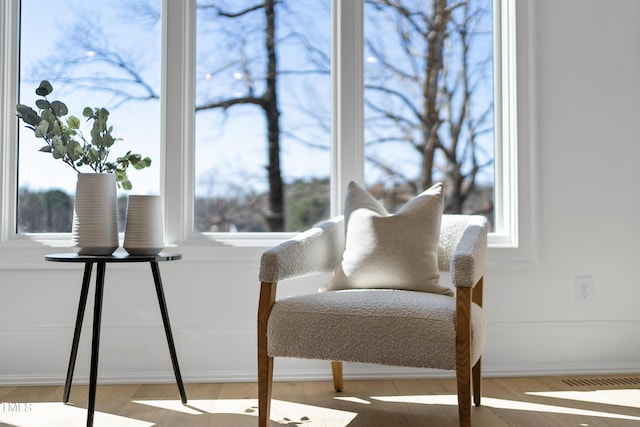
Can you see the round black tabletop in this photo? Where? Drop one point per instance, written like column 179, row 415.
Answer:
column 118, row 256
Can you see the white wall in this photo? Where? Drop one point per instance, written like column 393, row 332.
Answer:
column 587, row 92
column 583, row 117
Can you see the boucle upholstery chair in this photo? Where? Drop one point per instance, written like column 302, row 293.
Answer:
column 389, row 327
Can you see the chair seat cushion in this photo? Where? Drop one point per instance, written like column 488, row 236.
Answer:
column 388, row 327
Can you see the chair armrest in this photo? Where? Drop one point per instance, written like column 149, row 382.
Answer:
column 469, row 259
column 316, row 250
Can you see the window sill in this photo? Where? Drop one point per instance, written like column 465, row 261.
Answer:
column 20, row 251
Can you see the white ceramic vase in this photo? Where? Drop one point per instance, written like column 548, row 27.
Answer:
column 95, row 215
column 144, row 229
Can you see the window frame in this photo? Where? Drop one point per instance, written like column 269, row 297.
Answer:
column 9, row 20
column 514, row 156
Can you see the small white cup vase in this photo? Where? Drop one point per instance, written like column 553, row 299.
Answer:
column 95, row 215
column 144, row 228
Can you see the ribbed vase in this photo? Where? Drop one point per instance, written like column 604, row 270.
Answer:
column 95, row 215
column 144, row 230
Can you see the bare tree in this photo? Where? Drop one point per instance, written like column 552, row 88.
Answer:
column 257, row 83
column 267, row 100
column 425, row 93
column 91, row 62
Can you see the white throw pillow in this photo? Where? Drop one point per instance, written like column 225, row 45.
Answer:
column 391, row 251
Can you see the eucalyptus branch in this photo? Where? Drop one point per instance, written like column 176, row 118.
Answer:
column 68, row 143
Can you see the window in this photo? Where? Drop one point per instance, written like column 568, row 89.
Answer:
column 262, row 161
column 211, row 55
column 89, row 59
column 429, row 101
column 263, row 114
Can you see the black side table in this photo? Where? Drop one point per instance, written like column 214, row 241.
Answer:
column 101, row 261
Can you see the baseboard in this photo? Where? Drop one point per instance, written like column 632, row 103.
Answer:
column 351, row 371
column 558, row 370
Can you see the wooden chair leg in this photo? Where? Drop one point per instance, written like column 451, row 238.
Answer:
column 265, row 386
column 464, row 398
column 477, row 382
column 265, row 362
column 336, row 371
column 463, row 354
column 477, row 296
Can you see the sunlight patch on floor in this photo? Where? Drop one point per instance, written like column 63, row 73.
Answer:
column 504, row 404
column 190, row 408
column 630, row 398
column 353, row 400
column 244, row 411
column 282, row 412
column 559, row 409
column 57, row 414
column 426, row 399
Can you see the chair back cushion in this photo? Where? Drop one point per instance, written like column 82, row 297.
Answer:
column 391, row 251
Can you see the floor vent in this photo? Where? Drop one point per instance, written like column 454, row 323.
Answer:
column 590, row 382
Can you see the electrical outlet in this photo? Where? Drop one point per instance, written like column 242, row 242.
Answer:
column 584, row 289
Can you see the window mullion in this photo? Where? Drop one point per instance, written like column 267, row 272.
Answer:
column 347, row 98
column 177, row 100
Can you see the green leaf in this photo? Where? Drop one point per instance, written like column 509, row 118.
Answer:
column 42, row 104
column 49, row 117
column 28, row 115
column 59, row 149
column 74, row 150
column 42, row 129
column 126, row 185
column 142, row 163
column 73, row 122
column 91, row 155
column 24, row 109
column 56, row 128
column 87, row 112
column 44, row 89
column 103, row 115
column 107, row 140
column 59, row 108
column 46, row 149
column 33, row 120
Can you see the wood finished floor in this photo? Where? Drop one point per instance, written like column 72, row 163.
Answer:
column 521, row 402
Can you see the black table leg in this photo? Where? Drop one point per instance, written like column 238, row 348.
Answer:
column 76, row 333
column 95, row 344
column 167, row 328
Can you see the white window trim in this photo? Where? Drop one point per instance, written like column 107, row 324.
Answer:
column 505, row 126
column 9, row 16
column 516, row 244
column 514, row 241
